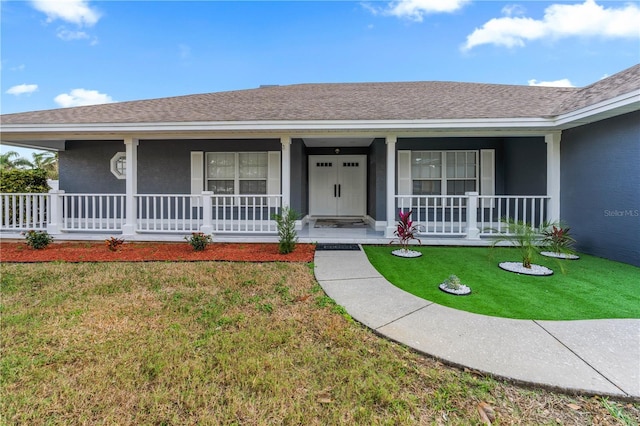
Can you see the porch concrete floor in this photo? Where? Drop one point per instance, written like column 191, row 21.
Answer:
column 593, row 357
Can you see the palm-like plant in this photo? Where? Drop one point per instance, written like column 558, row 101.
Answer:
column 522, row 235
column 11, row 160
column 47, row 161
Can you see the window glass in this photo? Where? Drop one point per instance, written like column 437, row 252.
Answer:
column 426, row 187
column 221, row 165
column 121, row 165
column 459, row 187
column 457, row 176
column 253, row 165
column 253, row 187
column 426, row 164
column 223, row 187
column 237, row 172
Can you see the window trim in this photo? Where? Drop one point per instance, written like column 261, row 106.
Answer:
column 114, row 163
column 443, row 179
column 236, row 172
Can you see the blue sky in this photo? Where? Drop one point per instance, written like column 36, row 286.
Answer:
column 76, row 52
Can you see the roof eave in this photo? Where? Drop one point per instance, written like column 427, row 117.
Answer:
column 10, row 131
column 613, row 107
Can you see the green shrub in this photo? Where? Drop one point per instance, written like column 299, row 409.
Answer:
column 37, row 239
column 199, row 241
column 287, row 234
column 18, row 180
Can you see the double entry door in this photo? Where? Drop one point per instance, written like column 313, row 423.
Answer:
column 337, row 185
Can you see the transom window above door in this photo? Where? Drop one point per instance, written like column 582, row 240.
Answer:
column 231, row 173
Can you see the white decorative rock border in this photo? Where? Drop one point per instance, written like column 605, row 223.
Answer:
column 406, row 253
column 462, row 291
column 567, row 256
column 517, row 267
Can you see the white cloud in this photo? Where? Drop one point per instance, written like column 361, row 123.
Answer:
column 74, row 11
column 82, row 97
column 68, row 35
column 513, row 10
column 586, row 19
column 557, row 83
column 22, row 89
column 416, row 9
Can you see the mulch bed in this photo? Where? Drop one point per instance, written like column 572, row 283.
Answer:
column 147, row 252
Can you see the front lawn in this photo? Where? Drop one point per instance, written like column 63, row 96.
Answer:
column 588, row 288
column 214, row 343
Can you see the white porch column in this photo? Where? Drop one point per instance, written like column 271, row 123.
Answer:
column 553, row 175
column 206, row 227
column 55, row 212
column 391, row 185
column 286, row 170
column 473, row 233
column 131, row 174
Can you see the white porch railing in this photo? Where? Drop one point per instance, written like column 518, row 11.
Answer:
column 168, row 213
column 24, row 211
column 244, row 213
column 436, row 214
column 471, row 215
column 493, row 209
column 207, row 213
column 92, row 212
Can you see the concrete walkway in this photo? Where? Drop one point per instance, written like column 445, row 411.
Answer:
column 599, row 357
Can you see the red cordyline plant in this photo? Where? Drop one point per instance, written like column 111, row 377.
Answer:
column 406, row 230
column 557, row 239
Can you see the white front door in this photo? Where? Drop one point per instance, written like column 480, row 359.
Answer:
column 337, row 185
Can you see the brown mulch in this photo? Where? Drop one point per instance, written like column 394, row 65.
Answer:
column 145, row 252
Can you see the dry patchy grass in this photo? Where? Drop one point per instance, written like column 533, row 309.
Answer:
column 229, row 343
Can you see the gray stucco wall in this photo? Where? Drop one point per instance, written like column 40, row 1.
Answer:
column 600, row 187
column 377, row 180
column 164, row 166
column 521, row 164
column 299, row 178
column 85, row 167
column 525, row 166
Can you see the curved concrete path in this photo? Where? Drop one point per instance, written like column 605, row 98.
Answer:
column 599, row 357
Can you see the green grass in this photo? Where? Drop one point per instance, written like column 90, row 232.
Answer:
column 589, row 288
column 219, row 343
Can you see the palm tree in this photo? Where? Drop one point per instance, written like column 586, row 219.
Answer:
column 47, row 161
column 11, row 160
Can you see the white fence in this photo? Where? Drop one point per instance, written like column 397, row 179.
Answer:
column 23, row 211
column 91, row 212
column 57, row 211
column 244, row 213
column 472, row 215
column 168, row 213
column 493, row 209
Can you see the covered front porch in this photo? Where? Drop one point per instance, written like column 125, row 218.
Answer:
column 467, row 218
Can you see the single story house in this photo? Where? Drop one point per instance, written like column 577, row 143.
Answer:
column 462, row 156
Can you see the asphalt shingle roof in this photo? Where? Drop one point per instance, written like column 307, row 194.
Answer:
column 347, row 101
